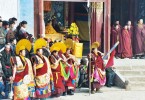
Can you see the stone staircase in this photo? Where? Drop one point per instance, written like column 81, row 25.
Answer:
column 132, row 70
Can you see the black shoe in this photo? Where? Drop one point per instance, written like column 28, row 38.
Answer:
column 64, row 93
column 108, row 85
column 70, row 92
column 93, row 92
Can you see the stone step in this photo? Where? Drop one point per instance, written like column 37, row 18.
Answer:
column 135, row 67
column 136, row 86
column 135, row 78
column 132, row 72
column 107, row 89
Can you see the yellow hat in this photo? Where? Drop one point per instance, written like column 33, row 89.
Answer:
column 69, row 43
column 58, row 46
column 95, row 45
column 22, row 45
column 52, row 48
column 39, row 43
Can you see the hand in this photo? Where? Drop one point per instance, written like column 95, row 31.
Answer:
column 11, row 79
column 3, row 93
column 90, row 55
column 59, row 59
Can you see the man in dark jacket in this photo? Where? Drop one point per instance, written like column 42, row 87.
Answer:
column 6, row 67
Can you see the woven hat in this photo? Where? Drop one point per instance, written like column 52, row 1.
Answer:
column 95, row 45
column 22, row 45
column 58, row 46
column 69, row 43
column 39, row 43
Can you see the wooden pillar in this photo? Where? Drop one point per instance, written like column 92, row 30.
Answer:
column 38, row 17
column 71, row 13
column 107, row 25
column 35, row 17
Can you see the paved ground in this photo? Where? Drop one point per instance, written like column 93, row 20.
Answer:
column 107, row 95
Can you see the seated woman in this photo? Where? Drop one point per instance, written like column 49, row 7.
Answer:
column 98, row 75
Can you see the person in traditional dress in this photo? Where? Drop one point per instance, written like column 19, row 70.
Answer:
column 64, row 66
column 23, row 80
column 42, row 70
column 126, row 40
column 56, row 71
column 74, row 69
column 116, row 36
column 49, row 28
column 98, row 76
column 131, row 32
column 139, row 39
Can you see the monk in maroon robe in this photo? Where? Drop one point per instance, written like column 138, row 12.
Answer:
column 117, row 23
column 98, row 76
column 139, row 38
column 131, row 32
column 126, row 42
column 116, row 36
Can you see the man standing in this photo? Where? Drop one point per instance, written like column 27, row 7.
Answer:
column 139, row 39
column 126, row 43
column 6, row 67
column 116, row 36
column 131, row 32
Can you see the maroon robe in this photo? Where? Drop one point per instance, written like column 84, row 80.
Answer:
column 116, row 36
column 126, row 42
column 131, row 32
column 58, row 79
column 139, row 39
column 69, row 82
column 96, row 62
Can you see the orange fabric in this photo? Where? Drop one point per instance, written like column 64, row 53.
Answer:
column 47, row 5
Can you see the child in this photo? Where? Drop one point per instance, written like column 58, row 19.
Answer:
column 83, row 79
column 3, row 94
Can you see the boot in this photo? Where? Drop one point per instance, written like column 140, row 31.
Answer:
column 65, row 93
column 70, row 92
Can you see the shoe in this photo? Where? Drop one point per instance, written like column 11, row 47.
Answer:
column 99, row 91
column 93, row 92
column 108, row 85
column 64, row 93
column 70, row 92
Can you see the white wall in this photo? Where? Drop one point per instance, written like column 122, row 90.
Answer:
column 8, row 9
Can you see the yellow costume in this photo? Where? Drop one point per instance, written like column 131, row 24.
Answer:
column 50, row 30
column 23, row 74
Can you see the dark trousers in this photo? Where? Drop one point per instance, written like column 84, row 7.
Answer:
column 110, row 75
